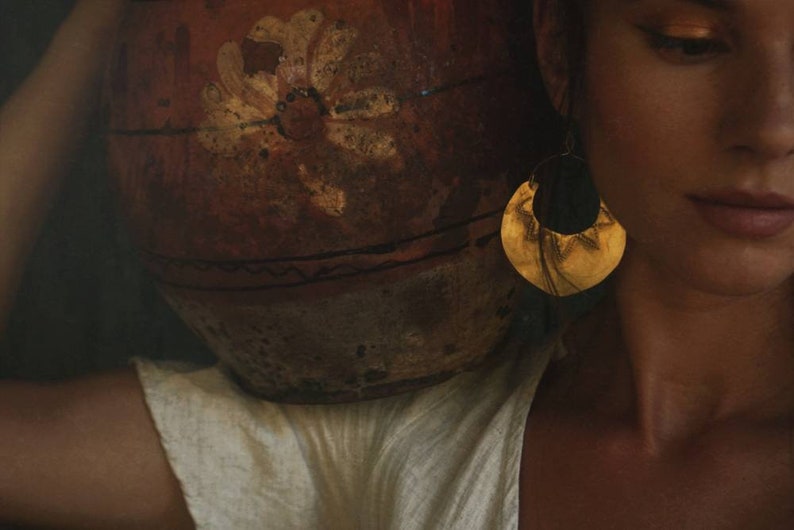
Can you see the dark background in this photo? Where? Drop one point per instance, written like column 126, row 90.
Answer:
column 84, row 304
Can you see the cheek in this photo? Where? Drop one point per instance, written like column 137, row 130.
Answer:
column 653, row 134
column 621, row 155
column 644, row 134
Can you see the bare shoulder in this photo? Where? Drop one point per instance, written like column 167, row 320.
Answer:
column 85, row 454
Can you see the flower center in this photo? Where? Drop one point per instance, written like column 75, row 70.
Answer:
column 301, row 116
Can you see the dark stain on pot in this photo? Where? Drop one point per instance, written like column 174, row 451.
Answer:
column 450, row 349
column 459, row 206
column 485, row 240
column 397, row 387
column 434, row 294
column 261, row 56
column 375, row 375
column 160, row 41
column 361, row 351
column 311, row 386
column 119, row 79
column 182, row 55
column 264, row 154
column 299, row 394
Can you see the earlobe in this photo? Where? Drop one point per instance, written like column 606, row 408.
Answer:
column 551, row 52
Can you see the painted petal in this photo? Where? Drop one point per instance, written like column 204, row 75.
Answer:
column 232, row 109
column 292, row 75
column 364, row 66
column 230, row 68
column 250, row 89
column 326, row 197
column 221, row 133
column 300, row 31
column 268, row 29
column 366, row 104
column 212, row 98
column 369, row 143
column 228, row 120
column 334, row 45
column 239, row 112
column 260, row 90
column 218, row 137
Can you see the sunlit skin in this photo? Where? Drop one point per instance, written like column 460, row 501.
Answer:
column 679, row 412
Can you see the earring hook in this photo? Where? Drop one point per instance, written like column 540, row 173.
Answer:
column 570, row 144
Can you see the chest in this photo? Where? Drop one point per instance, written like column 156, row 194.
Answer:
column 580, row 476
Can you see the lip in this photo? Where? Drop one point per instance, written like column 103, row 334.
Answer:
column 746, row 215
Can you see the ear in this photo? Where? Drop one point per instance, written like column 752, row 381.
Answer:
column 551, row 52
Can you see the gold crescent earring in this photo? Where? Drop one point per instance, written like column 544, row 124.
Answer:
column 559, row 264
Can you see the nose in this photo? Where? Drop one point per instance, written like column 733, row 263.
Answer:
column 763, row 116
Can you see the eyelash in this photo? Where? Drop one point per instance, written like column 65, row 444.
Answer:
column 686, row 49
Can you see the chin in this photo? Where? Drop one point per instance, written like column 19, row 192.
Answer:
column 748, row 272
column 711, row 267
column 739, row 285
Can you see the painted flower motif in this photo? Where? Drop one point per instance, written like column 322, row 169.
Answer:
column 277, row 87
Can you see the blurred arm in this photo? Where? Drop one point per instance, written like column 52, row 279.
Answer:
column 85, row 454
column 41, row 127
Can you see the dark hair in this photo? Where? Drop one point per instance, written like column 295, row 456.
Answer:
column 570, row 22
column 567, row 201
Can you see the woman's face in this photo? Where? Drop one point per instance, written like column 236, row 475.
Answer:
column 688, row 122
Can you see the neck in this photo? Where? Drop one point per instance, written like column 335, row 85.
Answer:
column 693, row 360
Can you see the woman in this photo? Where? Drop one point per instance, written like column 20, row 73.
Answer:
column 680, row 415
column 672, row 406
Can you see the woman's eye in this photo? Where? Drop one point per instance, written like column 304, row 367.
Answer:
column 685, row 49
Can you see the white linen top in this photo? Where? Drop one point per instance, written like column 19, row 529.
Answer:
column 442, row 457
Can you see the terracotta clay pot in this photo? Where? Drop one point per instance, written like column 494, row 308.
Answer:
column 318, row 186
